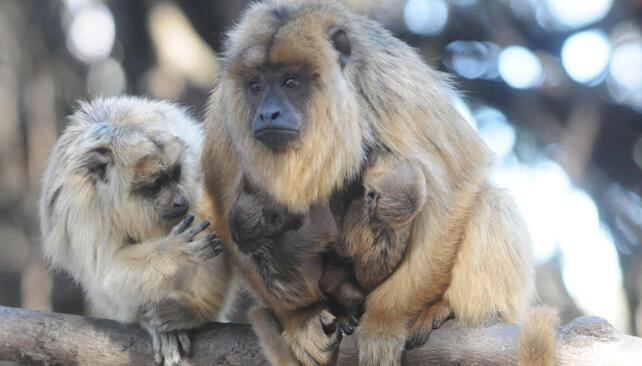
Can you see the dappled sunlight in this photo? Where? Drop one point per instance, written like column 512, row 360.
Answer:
column 562, row 218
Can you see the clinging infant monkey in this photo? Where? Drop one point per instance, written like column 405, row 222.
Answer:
column 376, row 227
column 292, row 253
column 119, row 193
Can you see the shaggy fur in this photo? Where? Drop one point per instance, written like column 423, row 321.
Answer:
column 104, row 221
column 468, row 247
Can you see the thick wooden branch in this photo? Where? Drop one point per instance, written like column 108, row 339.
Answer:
column 46, row 338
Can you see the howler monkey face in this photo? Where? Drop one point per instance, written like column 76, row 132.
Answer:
column 143, row 178
column 281, row 69
column 278, row 97
column 256, row 220
column 290, row 105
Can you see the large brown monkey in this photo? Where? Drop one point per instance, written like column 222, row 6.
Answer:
column 118, row 191
column 306, row 91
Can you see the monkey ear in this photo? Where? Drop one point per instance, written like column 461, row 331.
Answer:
column 96, row 163
column 341, row 43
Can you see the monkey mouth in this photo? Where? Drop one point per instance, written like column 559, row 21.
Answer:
column 277, row 138
column 174, row 215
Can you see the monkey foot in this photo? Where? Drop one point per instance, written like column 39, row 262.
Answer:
column 317, row 342
column 433, row 318
column 169, row 347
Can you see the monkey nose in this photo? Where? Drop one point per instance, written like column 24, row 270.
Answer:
column 180, row 205
column 270, row 116
column 180, row 201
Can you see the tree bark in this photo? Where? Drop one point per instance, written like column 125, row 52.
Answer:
column 39, row 338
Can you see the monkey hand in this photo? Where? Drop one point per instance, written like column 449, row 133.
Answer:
column 183, row 236
column 347, row 323
column 432, row 318
column 169, row 347
column 316, row 341
column 170, row 315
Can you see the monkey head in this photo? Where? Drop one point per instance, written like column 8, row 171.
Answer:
column 394, row 190
column 131, row 161
column 290, row 107
column 256, row 220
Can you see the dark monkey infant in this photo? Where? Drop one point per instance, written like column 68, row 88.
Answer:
column 300, row 249
column 293, row 255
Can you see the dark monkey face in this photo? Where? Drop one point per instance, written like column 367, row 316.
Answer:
column 280, row 85
column 256, row 220
column 164, row 191
column 290, row 105
column 145, row 183
column 278, row 96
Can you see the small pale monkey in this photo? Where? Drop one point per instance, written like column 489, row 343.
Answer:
column 376, row 227
column 118, row 191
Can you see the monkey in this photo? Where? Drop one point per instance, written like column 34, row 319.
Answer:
column 295, row 249
column 307, row 91
column 376, row 227
column 120, row 195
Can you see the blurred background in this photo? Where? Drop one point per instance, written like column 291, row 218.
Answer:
column 553, row 86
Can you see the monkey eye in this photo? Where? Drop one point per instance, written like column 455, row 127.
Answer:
column 176, row 174
column 291, row 83
column 156, row 186
column 274, row 218
column 255, row 86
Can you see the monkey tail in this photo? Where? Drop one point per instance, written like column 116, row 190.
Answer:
column 537, row 337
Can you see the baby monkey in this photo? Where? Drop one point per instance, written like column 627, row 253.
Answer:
column 376, row 227
column 292, row 253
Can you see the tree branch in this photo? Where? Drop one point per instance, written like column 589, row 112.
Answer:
column 47, row 338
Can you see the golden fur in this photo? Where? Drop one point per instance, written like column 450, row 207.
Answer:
column 385, row 97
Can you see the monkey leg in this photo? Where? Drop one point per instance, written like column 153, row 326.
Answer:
column 313, row 336
column 268, row 330
column 381, row 339
column 380, row 349
column 432, row 318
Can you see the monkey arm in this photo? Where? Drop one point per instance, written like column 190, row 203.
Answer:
column 478, row 286
column 147, row 270
column 144, row 270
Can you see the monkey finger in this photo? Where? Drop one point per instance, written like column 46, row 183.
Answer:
column 183, row 225
column 156, row 346
column 442, row 318
column 217, row 248
column 207, row 247
column 346, row 327
column 185, row 343
column 416, row 340
column 190, row 233
column 353, row 320
column 328, row 323
column 171, row 352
